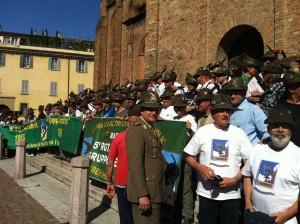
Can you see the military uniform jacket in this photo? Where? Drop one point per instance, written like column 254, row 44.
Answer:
column 145, row 164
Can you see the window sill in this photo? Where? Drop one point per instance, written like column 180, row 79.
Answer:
column 24, row 93
column 26, row 68
column 54, row 70
column 53, row 95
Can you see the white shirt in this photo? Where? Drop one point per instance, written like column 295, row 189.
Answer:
column 223, row 151
column 210, row 85
column 190, row 119
column 168, row 113
column 276, row 178
column 253, row 86
column 161, row 89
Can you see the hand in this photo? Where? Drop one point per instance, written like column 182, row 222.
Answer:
column 188, row 125
column 110, row 190
column 249, row 206
column 190, row 108
column 206, row 172
column 174, row 88
column 280, row 217
column 254, row 99
column 144, row 203
column 227, row 182
column 260, row 142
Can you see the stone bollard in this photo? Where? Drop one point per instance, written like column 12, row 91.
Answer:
column 1, row 147
column 20, row 160
column 78, row 208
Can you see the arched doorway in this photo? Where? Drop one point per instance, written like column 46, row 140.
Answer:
column 4, row 108
column 241, row 39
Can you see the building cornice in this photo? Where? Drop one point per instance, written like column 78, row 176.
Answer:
column 47, row 52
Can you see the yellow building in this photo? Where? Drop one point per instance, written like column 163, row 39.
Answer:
column 36, row 75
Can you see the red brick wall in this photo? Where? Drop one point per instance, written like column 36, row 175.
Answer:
column 186, row 34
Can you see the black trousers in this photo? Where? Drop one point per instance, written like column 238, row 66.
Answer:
column 219, row 212
column 124, row 206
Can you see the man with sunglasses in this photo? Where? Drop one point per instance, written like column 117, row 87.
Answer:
column 272, row 173
column 145, row 163
column 246, row 115
column 221, row 148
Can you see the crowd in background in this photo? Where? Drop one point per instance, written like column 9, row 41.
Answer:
column 246, row 87
column 265, row 79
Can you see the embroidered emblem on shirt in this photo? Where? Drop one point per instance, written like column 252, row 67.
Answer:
column 266, row 174
column 220, row 150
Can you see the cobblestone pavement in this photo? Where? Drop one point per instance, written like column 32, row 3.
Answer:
column 18, row 207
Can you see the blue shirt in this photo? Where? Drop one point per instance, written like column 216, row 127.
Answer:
column 250, row 118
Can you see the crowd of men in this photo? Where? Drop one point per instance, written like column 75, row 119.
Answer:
column 243, row 127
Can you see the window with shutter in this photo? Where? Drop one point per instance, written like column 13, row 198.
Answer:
column 53, row 89
column 26, row 61
column 81, row 66
column 80, row 88
column 2, row 59
column 54, row 64
column 24, row 89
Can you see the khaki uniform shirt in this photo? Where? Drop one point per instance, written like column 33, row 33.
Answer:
column 205, row 120
column 145, row 163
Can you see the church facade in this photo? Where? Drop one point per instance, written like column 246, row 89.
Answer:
column 137, row 37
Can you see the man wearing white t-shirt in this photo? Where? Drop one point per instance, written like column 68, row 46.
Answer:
column 272, row 173
column 167, row 112
column 221, row 148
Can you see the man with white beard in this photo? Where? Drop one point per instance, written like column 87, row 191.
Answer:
column 272, row 174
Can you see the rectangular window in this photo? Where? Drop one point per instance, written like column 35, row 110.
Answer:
column 24, row 89
column 6, row 40
column 81, row 66
column 23, row 108
column 53, row 89
column 80, row 88
column 129, row 50
column 54, row 64
column 2, row 59
column 26, row 61
column 14, row 41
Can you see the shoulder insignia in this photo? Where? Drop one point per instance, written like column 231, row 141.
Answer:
column 144, row 126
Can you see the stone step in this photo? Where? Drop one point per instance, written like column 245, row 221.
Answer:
column 59, row 170
column 53, row 160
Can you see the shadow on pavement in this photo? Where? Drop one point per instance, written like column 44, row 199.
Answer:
column 103, row 207
column 43, row 169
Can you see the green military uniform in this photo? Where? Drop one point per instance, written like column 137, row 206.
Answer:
column 145, row 171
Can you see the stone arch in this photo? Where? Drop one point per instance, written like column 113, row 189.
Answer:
column 4, row 108
column 241, row 39
column 114, row 38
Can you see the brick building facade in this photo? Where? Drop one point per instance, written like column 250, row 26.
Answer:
column 137, row 37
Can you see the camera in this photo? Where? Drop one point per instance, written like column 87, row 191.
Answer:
column 216, row 181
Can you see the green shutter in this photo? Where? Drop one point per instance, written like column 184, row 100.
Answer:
column 77, row 66
column 31, row 61
column 21, row 61
column 85, row 66
column 49, row 63
column 58, row 64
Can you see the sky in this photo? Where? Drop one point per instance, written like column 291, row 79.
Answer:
column 72, row 18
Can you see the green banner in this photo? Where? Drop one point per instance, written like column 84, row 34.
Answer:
column 9, row 134
column 60, row 131
column 99, row 134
